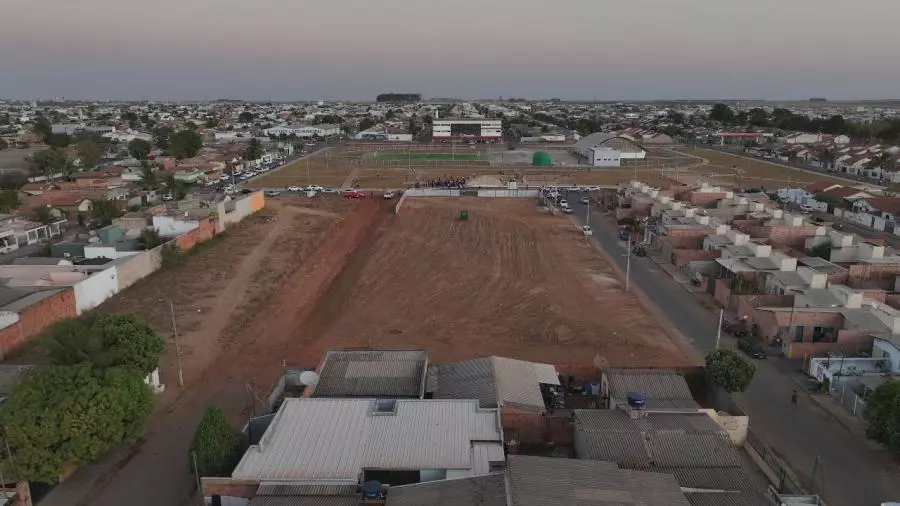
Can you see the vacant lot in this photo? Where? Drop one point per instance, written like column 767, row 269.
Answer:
column 509, row 281
column 413, row 156
column 321, row 169
column 730, row 170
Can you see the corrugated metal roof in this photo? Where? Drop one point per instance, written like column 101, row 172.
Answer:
column 672, row 449
column 295, row 500
column 307, row 489
column 729, row 499
column 315, row 439
column 396, row 373
column 658, row 387
column 494, row 381
column 538, row 481
column 477, row 491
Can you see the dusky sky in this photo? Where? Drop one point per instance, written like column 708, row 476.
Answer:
column 355, row 49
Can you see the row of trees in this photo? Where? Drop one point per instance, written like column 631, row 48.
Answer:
column 88, row 396
column 784, row 119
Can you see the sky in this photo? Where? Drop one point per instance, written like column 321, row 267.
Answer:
column 355, row 49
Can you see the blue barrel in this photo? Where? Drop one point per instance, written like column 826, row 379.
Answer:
column 372, row 489
column 636, row 400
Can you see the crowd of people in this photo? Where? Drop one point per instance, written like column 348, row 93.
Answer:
column 444, row 182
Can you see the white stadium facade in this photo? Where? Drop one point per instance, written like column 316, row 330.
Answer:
column 485, row 130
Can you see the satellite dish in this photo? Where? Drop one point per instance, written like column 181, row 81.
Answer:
column 309, row 378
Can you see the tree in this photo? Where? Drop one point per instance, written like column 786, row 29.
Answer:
column 104, row 211
column 245, row 117
column 90, row 151
column 139, row 149
column 211, row 122
column 161, row 137
column 185, row 144
column 44, row 215
column 48, row 161
column 253, row 150
column 721, row 112
column 59, row 140
column 9, row 200
column 758, row 117
column 366, row 123
column 217, row 445
column 729, row 370
column 822, row 251
column 42, row 128
column 882, row 414
column 3, row 144
column 12, row 181
column 883, row 161
column 176, row 188
column 835, row 125
column 676, row 117
column 148, row 176
column 62, row 416
column 149, row 239
column 114, row 341
column 132, row 118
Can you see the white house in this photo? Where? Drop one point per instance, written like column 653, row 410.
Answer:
column 305, row 131
column 803, row 138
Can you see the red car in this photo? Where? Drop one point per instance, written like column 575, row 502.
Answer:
column 354, row 195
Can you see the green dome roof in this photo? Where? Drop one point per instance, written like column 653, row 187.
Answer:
column 541, row 159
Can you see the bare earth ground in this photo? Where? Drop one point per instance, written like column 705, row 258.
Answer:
column 509, row 281
column 757, row 173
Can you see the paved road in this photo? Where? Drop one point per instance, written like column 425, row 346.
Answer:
column 855, row 473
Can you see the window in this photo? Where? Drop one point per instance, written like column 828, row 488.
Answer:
column 496, row 466
column 798, row 333
column 385, row 406
column 823, row 334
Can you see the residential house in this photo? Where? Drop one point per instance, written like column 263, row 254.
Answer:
column 659, row 389
column 802, row 138
column 804, row 195
column 842, row 196
column 398, row 374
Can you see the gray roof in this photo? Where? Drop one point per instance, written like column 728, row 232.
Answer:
column 487, row 490
column 607, row 139
column 658, row 440
column 333, row 439
column 538, row 481
column 494, row 381
column 372, row 374
column 24, row 298
column 662, row 389
column 290, row 494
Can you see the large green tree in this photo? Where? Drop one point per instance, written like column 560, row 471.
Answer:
column 217, row 445
column 729, row 370
column 42, row 127
column 105, row 342
column 59, row 140
column 721, row 112
column 882, row 414
column 139, row 149
column 9, row 200
column 161, row 136
column 91, row 151
column 3, row 144
column 62, row 416
column 185, row 144
column 245, row 117
column 253, row 150
column 104, row 210
column 48, row 161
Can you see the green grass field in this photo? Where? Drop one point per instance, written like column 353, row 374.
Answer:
column 401, row 156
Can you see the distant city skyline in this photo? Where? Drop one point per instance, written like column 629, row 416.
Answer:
column 354, row 49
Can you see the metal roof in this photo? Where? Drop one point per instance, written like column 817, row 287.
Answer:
column 321, row 439
column 662, row 389
column 299, row 494
column 538, row 481
column 494, row 381
column 476, row 491
column 372, row 374
column 298, row 500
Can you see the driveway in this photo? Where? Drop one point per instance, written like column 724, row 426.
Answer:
column 854, row 472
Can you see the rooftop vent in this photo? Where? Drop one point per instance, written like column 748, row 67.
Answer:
column 385, row 406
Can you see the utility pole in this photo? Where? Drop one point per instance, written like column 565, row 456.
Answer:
column 307, row 173
column 628, row 264
column 719, row 328
column 177, row 346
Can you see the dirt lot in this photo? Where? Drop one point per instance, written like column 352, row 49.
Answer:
column 756, row 173
column 311, row 170
column 509, row 281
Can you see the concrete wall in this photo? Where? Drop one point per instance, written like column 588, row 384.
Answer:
column 682, row 257
column 132, row 269
column 168, row 226
column 98, row 287
column 243, row 207
column 400, row 202
column 206, row 230
column 509, row 193
column 432, row 192
column 106, row 252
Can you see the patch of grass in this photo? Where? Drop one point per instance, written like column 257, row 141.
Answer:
column 400, row 156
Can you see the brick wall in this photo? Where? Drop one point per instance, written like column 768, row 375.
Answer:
column 785, row 235
column 229, row 487
column 689, row 232
column 723, row 292
column 203, row 233
column 37, row 317
column 530, row 427
column 684, row 242
column 699, row 198
column 682, row 257
column 747, row 304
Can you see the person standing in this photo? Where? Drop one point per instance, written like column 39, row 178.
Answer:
column 794, row 397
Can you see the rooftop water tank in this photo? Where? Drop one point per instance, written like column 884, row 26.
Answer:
column 372, row 489
column 636, row 400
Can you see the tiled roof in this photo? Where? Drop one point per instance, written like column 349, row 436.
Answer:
column 372, row 374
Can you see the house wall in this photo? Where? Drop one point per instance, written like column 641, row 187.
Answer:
column 785, row 235
column 702, row 198
column 96, row 288
column 530, row 427
column 205, row 231
column 883, row 349
column 229, row 487
column 139, row 266
column 880, row 275
column 169, row 226
column 243, row 207
column 682, row 257
column 37, row 317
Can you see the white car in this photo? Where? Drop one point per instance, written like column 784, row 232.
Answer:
column 585, row 200
column 563, row 203
column 294, row 188
column 805, row 209
column 586, row 230
column 224, row 177
column 229, row 190
column 388, row 195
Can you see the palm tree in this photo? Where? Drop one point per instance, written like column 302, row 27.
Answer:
column 882, row 161
column 827, row 158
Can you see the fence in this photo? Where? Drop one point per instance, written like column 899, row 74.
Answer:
column 788, row 483
column 844, row 392
column 431, row 192
column 509, row 193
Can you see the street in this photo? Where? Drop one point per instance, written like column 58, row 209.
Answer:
column 848, row 472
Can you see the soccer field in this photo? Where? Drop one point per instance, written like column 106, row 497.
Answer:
column 400, row 156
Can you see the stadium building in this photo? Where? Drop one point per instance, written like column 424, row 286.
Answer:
column 602, row 149
column 485, row 130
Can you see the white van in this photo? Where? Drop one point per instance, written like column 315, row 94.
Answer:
column 806, row 209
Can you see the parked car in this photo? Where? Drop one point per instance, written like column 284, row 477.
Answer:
column 388, row 195
column 805, row 209
column 567, row 210
column 273, row 193
column 585, row 200
column 752, row 347
column 294, row 188
column 354, row 195
column 586, row 230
